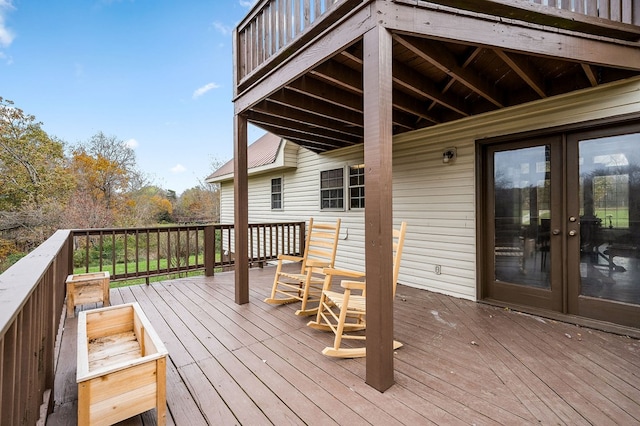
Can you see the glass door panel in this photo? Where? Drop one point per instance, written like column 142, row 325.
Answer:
column 609, row 201
column 522, row 237
column 521, row 207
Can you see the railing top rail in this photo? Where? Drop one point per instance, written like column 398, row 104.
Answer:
column 173, row 227
column 142, row 228
column 20, row 280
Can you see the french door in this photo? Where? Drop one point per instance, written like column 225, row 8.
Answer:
column 562, row 223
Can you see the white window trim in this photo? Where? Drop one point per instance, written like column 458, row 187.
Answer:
column 344, row 190
column 348, row 185
column 281, row 208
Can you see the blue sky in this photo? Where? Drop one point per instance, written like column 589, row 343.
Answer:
column 154, row 73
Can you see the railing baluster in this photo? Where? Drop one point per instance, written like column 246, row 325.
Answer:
column 86, row 247
column 616, row 12
column 113, row 253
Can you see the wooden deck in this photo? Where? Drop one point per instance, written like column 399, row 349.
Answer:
column 462, row 363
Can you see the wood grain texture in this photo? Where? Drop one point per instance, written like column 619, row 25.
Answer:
column 462, row 362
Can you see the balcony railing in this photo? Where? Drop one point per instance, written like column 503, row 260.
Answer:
column 32, row 291
column 613, row 10
column 273, row 25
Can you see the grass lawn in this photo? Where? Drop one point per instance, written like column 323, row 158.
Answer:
column 142, row 267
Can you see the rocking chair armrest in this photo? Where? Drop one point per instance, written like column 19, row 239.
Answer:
column 343, row 272
column 317, row 263
column 352, row 285
column 290, row 257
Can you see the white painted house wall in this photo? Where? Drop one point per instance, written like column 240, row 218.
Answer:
column 436, row 199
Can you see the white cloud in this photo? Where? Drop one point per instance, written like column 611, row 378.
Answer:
column 6, row 35
column 132, row 143
column 178, row 168
column 222, row 28
column 204, row 89
column 247, row 3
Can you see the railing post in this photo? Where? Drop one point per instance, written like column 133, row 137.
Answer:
column 209, row 252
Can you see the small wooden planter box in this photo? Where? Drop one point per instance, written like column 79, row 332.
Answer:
column 121, row 366
column 91, row 287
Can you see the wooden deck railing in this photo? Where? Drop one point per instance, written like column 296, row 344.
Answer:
column 32, row 291
column 31, row 298
column 129, row 253
column 613, row 10
column 273, row 25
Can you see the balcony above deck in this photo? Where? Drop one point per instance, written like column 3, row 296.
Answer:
column 299, row 63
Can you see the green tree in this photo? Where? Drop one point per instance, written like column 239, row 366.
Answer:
column 200, row 204
column 32, row 164
column 107, row 174
column 34, row 182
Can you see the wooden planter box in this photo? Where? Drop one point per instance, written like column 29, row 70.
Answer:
column 91, row 287
column 121, row 366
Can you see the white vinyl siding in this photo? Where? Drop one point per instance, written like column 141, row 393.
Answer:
column 437, row 200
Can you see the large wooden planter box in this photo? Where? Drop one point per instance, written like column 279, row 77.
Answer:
column 92, row 287
column 121, row 366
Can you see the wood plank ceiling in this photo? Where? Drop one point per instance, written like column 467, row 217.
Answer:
column 433, row 82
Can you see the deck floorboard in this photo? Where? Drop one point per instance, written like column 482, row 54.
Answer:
column 462, row 363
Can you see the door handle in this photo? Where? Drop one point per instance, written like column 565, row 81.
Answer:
column 572, row 232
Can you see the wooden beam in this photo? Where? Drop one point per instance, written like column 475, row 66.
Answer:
column 591, row 75
column 303, row 58
column 378, row 155
column 309, row 140
column 319, row 107
column 405, row 103
column 340, row 75
column 441, row 58
column 525, row 71
column 284, row 117
column 320, row 90
column 536, row 13
column 417, row 83
column 439, row 24
column 241, row 209
column 475, row 51
column 309, row 118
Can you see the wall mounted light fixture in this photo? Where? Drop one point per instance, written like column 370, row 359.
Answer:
column 449, row 155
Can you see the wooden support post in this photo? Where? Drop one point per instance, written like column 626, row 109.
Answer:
column 209, row 250
column 377, row 77
column 241, row 209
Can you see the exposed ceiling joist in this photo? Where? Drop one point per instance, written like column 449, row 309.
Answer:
column 320, row 90
column 319, row 107
column 527, row 73
column 442, row 59
column 414, row 82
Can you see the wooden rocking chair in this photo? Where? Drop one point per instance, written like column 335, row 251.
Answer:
column 345, row 313
column 319, row 252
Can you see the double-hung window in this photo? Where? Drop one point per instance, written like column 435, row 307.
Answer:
column 356, row 186
column 332, row 189
column 276, row 194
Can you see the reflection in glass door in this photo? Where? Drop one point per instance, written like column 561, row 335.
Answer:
column 522, row 216
column 522, row 237
column 609, row 209
column 561, row 223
